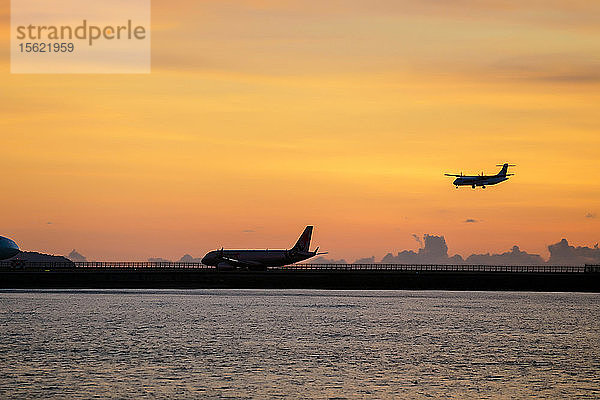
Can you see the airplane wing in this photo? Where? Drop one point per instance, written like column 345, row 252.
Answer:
column 453, row 175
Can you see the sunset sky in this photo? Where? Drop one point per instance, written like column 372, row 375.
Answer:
column 261, row 117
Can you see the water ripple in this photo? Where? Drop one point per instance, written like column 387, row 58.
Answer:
column 245, row 344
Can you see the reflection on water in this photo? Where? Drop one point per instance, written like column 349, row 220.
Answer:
column 298, row 344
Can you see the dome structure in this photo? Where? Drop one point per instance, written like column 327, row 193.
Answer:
column 8, row 248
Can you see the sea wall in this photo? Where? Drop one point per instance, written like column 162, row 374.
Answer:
column 282, row 279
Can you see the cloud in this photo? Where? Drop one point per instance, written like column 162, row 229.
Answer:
column 75, row 256
column 49, row 223
column 570, row 13
column 434, row 251
column 564, row 67
column 189, row 259
column 158, row 259
column 248, row 231
column 513, row 257
column 581, row 77
column 366, row 260
column 435, row 247
column 562, row 253
column 470, row 221
column 323, row 260
column 294, row 37
column 590, row 215
column 418, row 239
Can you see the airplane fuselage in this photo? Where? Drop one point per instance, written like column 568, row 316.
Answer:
column 479, row 180
column 253, row 259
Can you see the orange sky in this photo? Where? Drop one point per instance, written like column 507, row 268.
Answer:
column 266, row 116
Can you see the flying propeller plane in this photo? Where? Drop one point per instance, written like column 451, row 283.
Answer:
column 482, row 180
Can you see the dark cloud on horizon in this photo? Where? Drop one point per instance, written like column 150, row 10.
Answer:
column 323, row 260
column 418, row 239
column 158, row 259
column 470, row 221
column 435, row 251
column 562, row 253
column 75, row 256
column 189, row 259
column 366, row 260
column 513, row 257
column 248, row 231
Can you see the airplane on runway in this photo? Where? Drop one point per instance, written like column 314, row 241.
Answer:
column 261, row 259
column 482, row 180
column 8, row 248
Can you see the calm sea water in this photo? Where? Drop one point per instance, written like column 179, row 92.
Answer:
column 298, row 344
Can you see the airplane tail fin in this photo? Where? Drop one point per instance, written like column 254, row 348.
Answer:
column 504, row 170
column 303, row 243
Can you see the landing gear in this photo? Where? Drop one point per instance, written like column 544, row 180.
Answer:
column 457, row 187
column 473, row 186
column 483, row 187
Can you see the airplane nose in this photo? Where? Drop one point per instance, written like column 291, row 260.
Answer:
column 207, row 259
